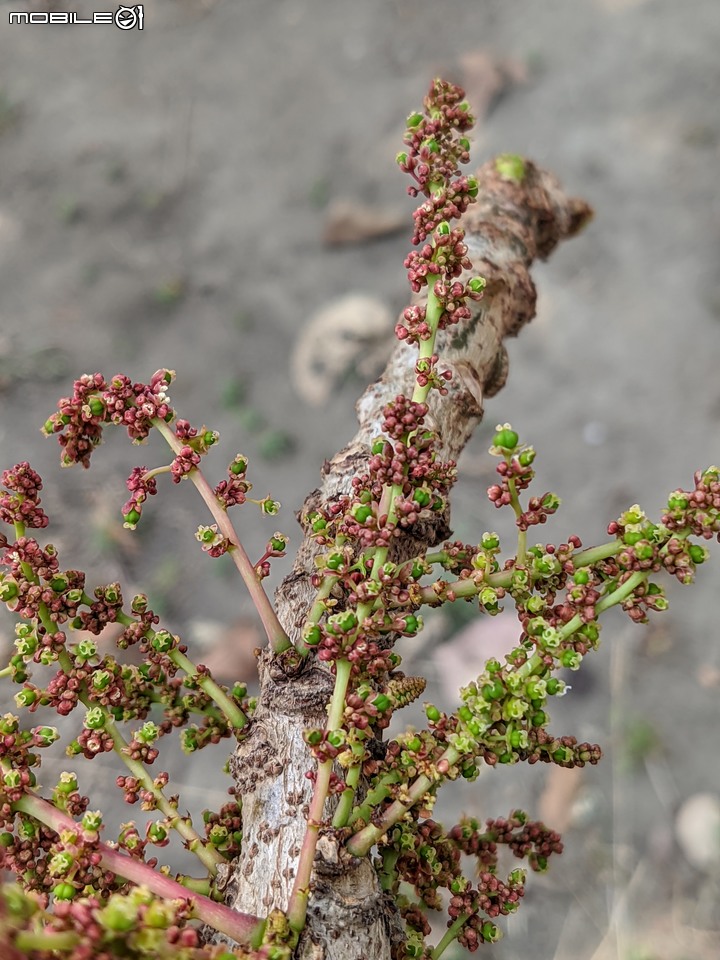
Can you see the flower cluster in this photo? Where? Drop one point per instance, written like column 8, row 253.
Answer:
column 435, row 149
column 95, row 402
column 20, row 502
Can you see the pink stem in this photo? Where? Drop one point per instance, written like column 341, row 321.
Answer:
column 239, row 926
column 276, row 635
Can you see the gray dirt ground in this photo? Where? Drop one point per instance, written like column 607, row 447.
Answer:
column 162, row 200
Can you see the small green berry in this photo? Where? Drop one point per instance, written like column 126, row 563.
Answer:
column 506, row 439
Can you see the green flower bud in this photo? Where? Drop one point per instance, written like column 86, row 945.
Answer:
column 678, row 501
column 312, row 634
column 382, row 702
column 477, row 284
column 319, row 524
column 139, row 603
column 131, row 518
column 92, row 821
column 63, row 891
column 26, row 697
column 550, row 638
column 162, row 642
column 536, row 688
column 343, row 622
column 697, row 553
column 581, row 577
column 472, row 187
column 218, row 834
column 493, row 691
column 60, row 864
column 555, row 687
column 46, row 736
column 119, row 916
column 432, row 713
column 6, row 839
column 506, row 439
column 421, row 497
column 571, row 659
column 85, row 649
column 95, row 718
column 278, row 542
column 334, row 561
column 9, row 724
column 239, row 466
column 547, row 565
column 488, row 599
column 337, row 738
column 414, row 744
column 101, row 680
column 148, row 733
column 361, row 512
column 539, row 718
column 514, row 708
column 644, row 550
column 8, row 591
column 412, row 624
column 157, row 833
column 269, row 506
column 414, row 120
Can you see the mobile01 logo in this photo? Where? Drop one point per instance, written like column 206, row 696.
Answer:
column 125, row 18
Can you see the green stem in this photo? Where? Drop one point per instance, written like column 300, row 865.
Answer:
column 344, row 807
column 277, row 637
column 317, row 610
column 235, row 716
column 381, row 791
column 450, row 934
column 208, row 856
column 239, row 926
column 470, row 587
column 196, row 884
column 361, row 842
column 297, row 906
column 46, row 941
column 229, row 709
column 388, row 874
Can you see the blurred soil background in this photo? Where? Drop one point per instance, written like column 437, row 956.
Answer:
column 205, row 194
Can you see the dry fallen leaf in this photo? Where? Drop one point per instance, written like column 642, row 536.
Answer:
column 353, row 332
column 350, row 221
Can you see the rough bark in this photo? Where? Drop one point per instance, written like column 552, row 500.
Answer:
column 510, row 226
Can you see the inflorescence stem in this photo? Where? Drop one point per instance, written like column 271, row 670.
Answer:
column 276, row 635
